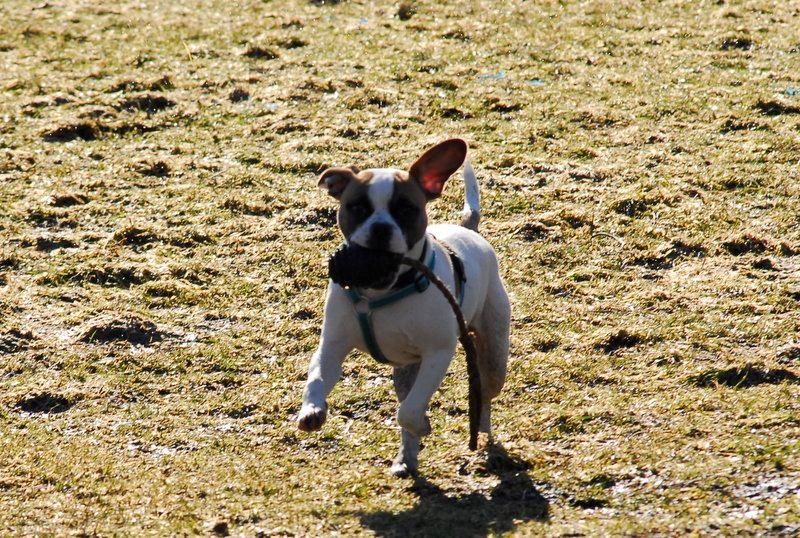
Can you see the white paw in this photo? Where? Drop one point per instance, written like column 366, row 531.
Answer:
column 415, row 422
column 311, row 417
column 403, row 469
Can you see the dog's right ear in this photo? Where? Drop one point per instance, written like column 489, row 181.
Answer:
column 336, row 179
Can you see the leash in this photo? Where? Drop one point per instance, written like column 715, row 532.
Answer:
column 467, row 340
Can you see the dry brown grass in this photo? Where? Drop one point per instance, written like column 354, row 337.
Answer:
column 162, row 253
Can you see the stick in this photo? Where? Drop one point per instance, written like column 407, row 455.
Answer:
column 470, row 350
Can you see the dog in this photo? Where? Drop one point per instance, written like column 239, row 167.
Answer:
column 384, row 209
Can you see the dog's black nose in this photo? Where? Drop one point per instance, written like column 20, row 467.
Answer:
column 380, row 233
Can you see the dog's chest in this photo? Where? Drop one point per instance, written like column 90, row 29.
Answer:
column 402, row 335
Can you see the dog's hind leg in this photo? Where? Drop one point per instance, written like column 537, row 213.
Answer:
column 492, row 328
column 406, row 462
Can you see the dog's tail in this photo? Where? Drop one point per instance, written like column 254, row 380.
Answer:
column 471, row 215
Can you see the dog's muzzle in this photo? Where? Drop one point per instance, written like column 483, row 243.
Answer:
column 353, row 266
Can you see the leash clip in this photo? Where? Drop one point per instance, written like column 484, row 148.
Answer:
column 421, row 283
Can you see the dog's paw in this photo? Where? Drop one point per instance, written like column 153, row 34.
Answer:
column 402, row 469
column 311, row 417
column 415, row 422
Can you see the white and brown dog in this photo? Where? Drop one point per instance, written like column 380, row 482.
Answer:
column 385, row 209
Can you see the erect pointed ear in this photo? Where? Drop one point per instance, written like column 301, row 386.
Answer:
column 437, row 164
column 335, row 180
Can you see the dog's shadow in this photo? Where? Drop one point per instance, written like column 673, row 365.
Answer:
column 513, row 500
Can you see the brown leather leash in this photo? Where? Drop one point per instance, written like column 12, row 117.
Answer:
column 467, row 339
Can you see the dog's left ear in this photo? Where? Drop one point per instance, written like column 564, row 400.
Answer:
column 335, row 180
column 437, row 164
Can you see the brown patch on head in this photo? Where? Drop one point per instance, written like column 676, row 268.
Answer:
column 355, row 206
column 407, row 207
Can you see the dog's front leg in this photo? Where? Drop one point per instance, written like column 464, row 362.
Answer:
column 323, row 373
column 336, row 341
column 412, row 412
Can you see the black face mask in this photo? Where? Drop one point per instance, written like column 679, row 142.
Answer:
column 353, row 266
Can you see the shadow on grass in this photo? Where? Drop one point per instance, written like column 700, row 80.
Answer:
column 513, row 500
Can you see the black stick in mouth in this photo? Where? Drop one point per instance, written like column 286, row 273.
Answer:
column 354, row 266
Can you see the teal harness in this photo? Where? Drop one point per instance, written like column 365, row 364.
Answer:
column 364, row 307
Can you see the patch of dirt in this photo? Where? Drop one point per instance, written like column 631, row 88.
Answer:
column 789, row 250
column 15, row 340
column 134, row 235
column 50, row 218
column 546, row 345
column 154, row 169
column 45, row 403
column 75, row 131
column 127, row 328
column 68, row 199
column 732, row 125
column 120, row 276
column 304, row 314
column 789, row 354
column 129, row 85
column 633, row 207
column 194, row 275
column 319, row 217
column 292, row 43
column 285, row 127
column 260, row 53
column 238, row 95
column 189, row 238
column 220, row 528
column 587, row 503
column 405, row 11
column 667, row 254
column 588, row 174
column 454, row 113
column 149, row 103
column 503, row 106
column 236, row 205
column 456, row 34
column 126, row 127
column 8, row 261
column 535, row 231
column 745, row 376
column 45, row 243
column 745, row 244
column 774, row 107
column 765, row 264
column 736, row 43
column 619, row 339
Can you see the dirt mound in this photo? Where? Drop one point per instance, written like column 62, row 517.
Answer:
column 15, row 340
column 149, row 103
column 260, row 53
column 125, row 328
column 44, row 403
column 745, row 244
column 618, row 340
column 70, row 132
column 745, row 376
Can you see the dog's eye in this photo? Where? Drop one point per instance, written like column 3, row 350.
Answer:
column 403, row 209
column 360, row 209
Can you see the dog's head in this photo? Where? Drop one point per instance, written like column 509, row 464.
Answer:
column 384, row 208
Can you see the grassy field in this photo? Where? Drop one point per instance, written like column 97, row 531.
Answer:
column 163, row 247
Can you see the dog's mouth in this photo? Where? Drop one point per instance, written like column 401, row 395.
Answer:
column 354, row 266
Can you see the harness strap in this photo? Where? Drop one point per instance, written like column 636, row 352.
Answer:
column 458, row 271
column 364, row 307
